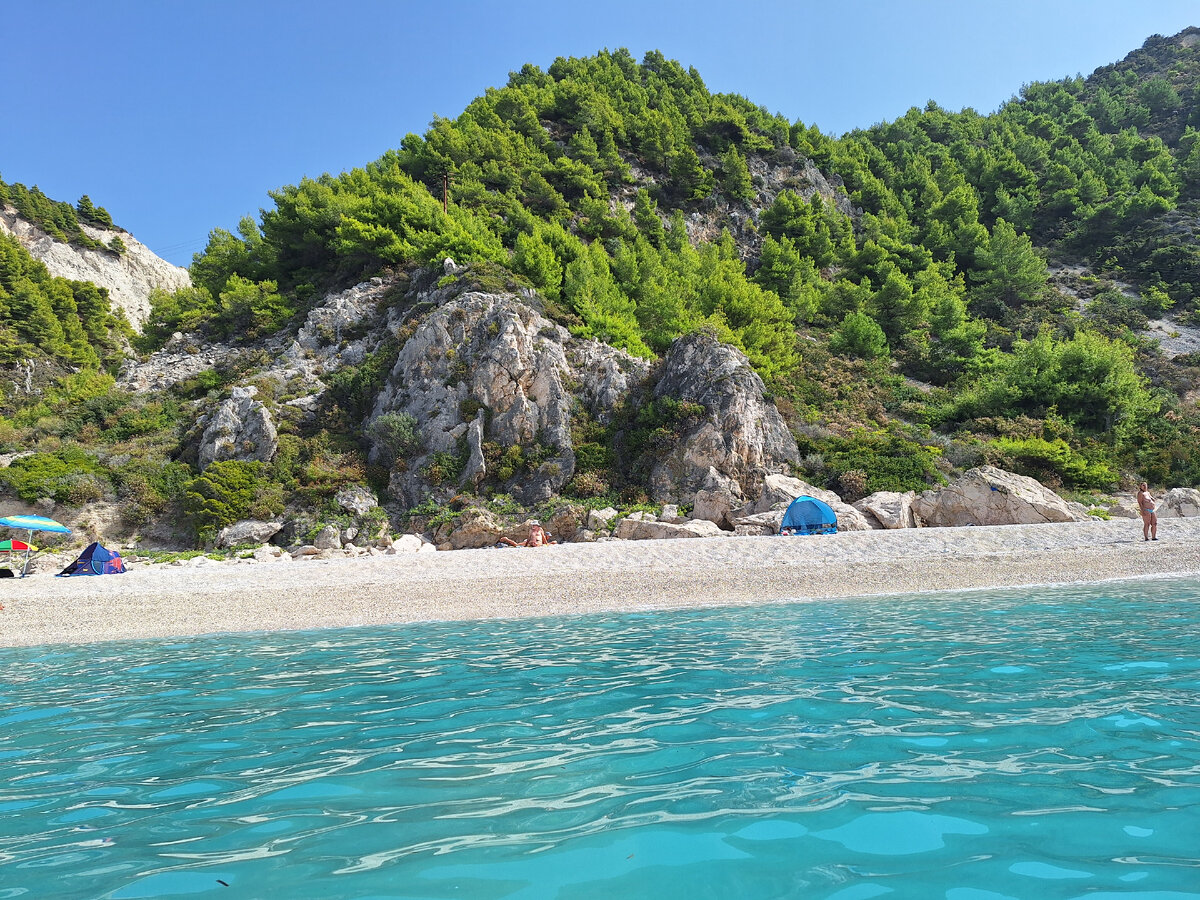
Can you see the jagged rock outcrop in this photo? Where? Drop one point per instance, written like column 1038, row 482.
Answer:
column 605, row 376
column 891, row 509
column 129, row 277
column 741, row 434
column 484, row 352
column 990, row 496
column 241, row 428
column 339, row 332
column 182, row 357
column 356, row 500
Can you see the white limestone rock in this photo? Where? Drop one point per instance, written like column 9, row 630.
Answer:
column 328, row 538
column 241, row 428
column 990, row 496
column 892, row 509
column 407, row 543
column 739, row 433
column 129, row 277
column 247, row 531
column 499, row 353
column 601, row 519
column 1179, row 503
column 631, row 529
column 356, row 500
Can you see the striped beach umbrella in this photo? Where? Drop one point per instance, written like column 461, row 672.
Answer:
column 32, row 524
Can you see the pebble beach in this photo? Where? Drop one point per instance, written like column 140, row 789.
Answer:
column 160, row 601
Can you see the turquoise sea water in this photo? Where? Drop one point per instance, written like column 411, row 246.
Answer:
column 972, row 747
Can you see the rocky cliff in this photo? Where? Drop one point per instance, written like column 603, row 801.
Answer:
column 129, row 276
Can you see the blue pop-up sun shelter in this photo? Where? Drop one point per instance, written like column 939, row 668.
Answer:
column 808, row 515
column 96, row 560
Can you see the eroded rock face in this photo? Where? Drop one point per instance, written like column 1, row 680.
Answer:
column 605, row 376
column 717, row 498
column 990, row 496
column 741, row 436
column 128, row 277
column 241, row 428
column 183, row 357
column 484, row 351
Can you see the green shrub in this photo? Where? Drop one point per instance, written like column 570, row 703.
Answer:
column 395, row 436
column 1050, row 462
column 228, row 491
column 859, row 335
column 879, row 462
column 69, row 475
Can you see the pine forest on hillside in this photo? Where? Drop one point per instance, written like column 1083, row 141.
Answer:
column 919, row 297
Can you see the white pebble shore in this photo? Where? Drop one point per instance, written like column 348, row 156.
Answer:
column 154, row 601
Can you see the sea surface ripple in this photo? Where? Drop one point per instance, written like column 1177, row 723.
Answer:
column 972, row 747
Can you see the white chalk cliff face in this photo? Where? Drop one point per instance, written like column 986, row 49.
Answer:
column 129, row 277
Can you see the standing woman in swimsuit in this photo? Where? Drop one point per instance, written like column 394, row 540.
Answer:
column 1149, row 518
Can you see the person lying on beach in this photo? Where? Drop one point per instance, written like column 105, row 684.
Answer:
column 538, row 537
column 1147, row 508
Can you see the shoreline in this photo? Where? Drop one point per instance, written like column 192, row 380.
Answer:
column 157, row 601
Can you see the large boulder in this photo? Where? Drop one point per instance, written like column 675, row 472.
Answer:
column 892, row 509
column 600, row 519
column 990, row 496
column 735, row 431
column 240, row 429
column 1179, row 503
column 475, row 528
column 356, row 500
column 479, row 352
column 328, row 538
column 631, row 529
column 248, row 531
column 566, row 521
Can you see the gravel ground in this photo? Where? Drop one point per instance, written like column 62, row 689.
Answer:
column 246, row 596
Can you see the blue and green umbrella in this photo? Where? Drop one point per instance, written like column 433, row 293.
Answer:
column 32, row 524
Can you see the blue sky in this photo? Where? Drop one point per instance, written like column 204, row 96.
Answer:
column 179, row 117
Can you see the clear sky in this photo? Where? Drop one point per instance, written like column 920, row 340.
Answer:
column 179, row 116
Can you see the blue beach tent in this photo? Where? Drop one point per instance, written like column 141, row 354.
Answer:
column 808, row 515
column 96, row 560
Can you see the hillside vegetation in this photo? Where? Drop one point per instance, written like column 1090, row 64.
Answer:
column 920, row 296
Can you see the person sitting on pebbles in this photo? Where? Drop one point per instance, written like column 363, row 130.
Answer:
column 538, row 537
column 1146, row 507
